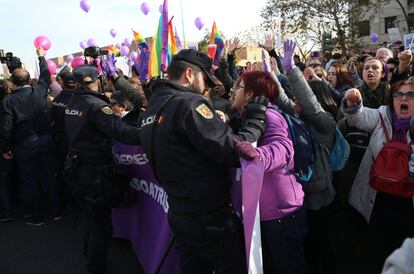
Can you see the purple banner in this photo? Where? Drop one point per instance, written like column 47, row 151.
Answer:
column 144, row 220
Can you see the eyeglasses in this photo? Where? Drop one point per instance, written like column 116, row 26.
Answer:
column 232, row 90
column 398, row 95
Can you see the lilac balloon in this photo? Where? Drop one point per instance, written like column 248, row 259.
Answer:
column 134, row 56
column 145, row 8
column 69, row 58
column 91, row 42
column 161, row 8
column 127, row 42
column 199, row 23
column 113, row 33
column 124, row 50
column 85, row 6
column 82, row 45
column 374, row 37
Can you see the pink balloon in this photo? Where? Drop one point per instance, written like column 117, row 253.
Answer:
column 91, row 43
column 82, row 45
column 69, row 58
column 199, row 23
column 42, row 41
column 124, row 50
column 77, row 61
column 85, row 6
column 113, row 33
column 51, row 66
column 145, row 8
column 126, row 42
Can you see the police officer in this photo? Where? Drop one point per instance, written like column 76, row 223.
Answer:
column 58, row 126
column 190, row 150
column 91, row 125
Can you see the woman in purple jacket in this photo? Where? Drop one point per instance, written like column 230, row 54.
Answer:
column 283, row 221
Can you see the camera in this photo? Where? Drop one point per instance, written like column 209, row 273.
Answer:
column 11, row 61
column 94, row 52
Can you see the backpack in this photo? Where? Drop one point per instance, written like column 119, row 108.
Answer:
column 389, row 172
column 304, row 146
column 340, row 151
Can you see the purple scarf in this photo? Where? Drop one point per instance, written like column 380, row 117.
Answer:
column 400, row 126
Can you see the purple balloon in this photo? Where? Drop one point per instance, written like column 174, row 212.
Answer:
column 145, row 8
column 69, row 58
column 82, row 45
column 113, row 33
column 91, row 42
column 85, row 6
column 374, row 37
column 134, row 56
column 124, row 50
column 199, row 23
column 161, row 8
column 127, row 42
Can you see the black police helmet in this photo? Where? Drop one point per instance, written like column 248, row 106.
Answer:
column 197, row 58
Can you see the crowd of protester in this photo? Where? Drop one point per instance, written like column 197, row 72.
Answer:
column 370, row 98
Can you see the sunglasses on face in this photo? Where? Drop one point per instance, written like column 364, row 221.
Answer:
column 398, row 95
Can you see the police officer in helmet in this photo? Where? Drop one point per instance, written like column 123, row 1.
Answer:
column 90, row 126
column 191, row 150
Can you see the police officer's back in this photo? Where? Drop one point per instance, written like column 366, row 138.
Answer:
column 91, row 125
column 191, row 150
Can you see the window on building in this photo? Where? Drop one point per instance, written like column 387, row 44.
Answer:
column 410, row 2
column 363, row 28
column 410, row 21
column 390, row 22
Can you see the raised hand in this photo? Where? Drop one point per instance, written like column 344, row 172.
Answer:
column 273, row 65
column 40, row 52
column 353, row 97
column 108, row 65
column 289, row 49
column 232, row 45
column 142, row 64
column 269, row 43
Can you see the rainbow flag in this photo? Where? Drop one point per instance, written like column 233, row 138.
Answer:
column 140, row 40
column 215, row 38
column 113, row 49
column 164, row 45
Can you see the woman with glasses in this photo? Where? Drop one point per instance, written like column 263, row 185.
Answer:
column 283, row 221
column 390, row 218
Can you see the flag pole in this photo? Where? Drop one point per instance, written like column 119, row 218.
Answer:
column 182, row 22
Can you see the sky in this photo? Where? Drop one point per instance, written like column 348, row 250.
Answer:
column 66, row 24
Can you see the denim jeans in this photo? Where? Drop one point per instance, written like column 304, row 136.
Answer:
column 34, row 157
column 283, row 244
column 6, row 167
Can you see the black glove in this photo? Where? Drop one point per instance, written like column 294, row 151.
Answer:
column 256, row 113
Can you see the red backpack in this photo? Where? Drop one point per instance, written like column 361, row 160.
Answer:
column 390, row 172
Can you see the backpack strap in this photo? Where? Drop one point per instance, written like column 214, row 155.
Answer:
column 387, row 136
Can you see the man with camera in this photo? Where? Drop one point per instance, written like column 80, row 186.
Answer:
column 91, row 126
column 190, row 150
column 25, row 136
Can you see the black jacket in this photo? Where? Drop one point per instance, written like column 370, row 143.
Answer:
column 191, row 149
column 58, row 112
column 23, row 113
column 91, row 126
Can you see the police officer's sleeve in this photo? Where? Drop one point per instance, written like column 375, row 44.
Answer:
column 113, row 126
column 209, row 134
column 44, row 77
